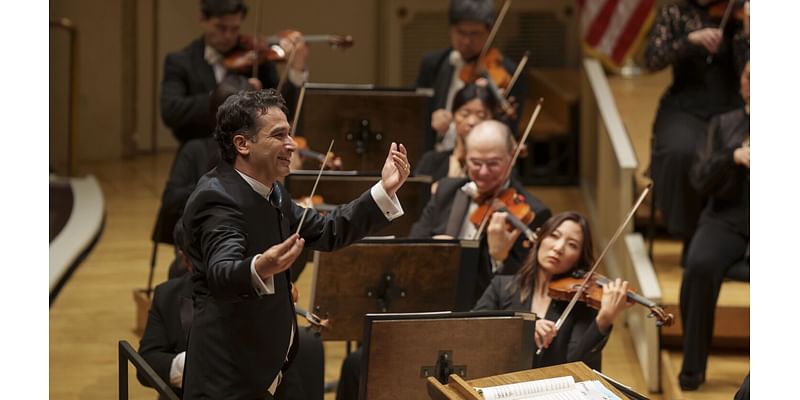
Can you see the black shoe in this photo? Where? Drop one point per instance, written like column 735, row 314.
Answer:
column 691, row 381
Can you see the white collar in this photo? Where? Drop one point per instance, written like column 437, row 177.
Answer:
column 211, row 55
column 259, row 187
column 455, row 59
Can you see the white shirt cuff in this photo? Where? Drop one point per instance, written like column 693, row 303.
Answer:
column 176, row 370
column 390, row 206
column 297, row 78
column 262, row 286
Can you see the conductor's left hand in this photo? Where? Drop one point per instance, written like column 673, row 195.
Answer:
column 395, row 170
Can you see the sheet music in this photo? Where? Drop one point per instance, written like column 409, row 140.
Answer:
column 561, row 388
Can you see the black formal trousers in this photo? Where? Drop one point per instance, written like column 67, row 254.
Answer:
column 713, row 250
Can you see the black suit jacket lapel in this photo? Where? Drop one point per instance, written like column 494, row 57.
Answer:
column 457, row 212
column 443, row 78
column 203, row 70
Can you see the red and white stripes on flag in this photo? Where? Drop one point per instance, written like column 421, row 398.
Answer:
column 611, row 30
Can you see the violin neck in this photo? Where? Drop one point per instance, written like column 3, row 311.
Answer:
column 517, row 223
column 631, row 295
column 504, row 103
column 312, row 154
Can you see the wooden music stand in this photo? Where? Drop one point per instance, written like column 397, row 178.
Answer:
column 403, row 351
column 364, row 120
column 405, row 275
column 459, row 389
column 341, row 187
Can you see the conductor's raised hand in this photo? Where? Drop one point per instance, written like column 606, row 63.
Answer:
column 279, row 257
column 395, row 170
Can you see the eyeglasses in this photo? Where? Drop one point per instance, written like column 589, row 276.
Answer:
column 492, row 164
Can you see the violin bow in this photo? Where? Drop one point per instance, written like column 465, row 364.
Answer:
column 297, row 109
column 495, row 27
column 285, row 73
column 582, row 288
column 504, row 104
column 722, row 24
column 255, row 40
column 507, row 173
column 314, row 189
column 521, row 66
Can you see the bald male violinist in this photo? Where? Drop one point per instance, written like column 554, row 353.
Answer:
column 489, row 150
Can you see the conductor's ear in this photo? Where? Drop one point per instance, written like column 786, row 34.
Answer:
column 241, row 144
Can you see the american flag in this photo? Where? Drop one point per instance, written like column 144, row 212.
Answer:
column 611, row 30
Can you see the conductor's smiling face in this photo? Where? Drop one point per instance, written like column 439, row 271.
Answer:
column 271, row 150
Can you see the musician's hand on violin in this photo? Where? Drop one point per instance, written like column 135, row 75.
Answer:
column 613, row 303
column 545, row 332
column 441, row 120
column 707, row 37
column 334, row 164
column 396, row 169
column 255, row 83
column 279, row 257
column 500, row 239
column 741, row 155
column 294, row 42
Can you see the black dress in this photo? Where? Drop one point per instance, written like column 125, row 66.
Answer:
column 579, row 338
column 699, row 91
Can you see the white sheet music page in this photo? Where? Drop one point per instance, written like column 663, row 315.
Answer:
column 561, row 388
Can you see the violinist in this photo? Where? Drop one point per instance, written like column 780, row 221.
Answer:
column 721, row 171
column 192, row 73
column 489, row 149
column 470, row 24
column 564, row 244
column 704, row 59
column 472, row 105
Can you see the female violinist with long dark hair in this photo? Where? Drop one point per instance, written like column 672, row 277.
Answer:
column 564, row 245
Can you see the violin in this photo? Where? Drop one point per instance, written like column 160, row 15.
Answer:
column 565, row 289
column 263, row 49
column 333, row 162
column 717, row 9
column 509, row 201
